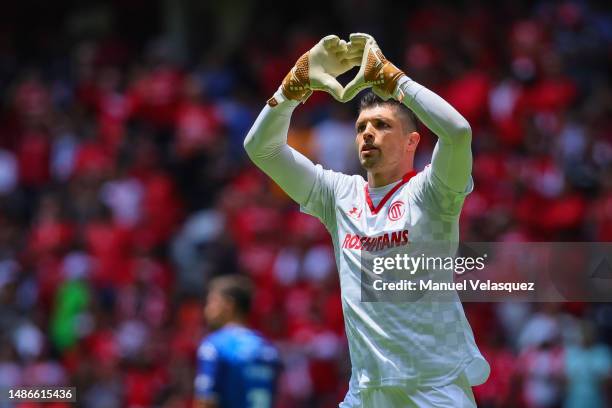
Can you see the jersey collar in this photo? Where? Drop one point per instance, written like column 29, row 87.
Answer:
column 387, row 196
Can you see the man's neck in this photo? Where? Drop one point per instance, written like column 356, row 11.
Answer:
column 236, row 322
column 383, row 178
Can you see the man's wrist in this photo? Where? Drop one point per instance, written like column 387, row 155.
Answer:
column 280, row 98
column 280, row 105
column 398, row 93
column 406, row 90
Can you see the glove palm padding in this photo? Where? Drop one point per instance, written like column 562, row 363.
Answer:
column 318, row 68
column 375, row 71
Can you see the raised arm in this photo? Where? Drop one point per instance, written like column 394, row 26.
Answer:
column 452, row 157
column 266, row 142
column 266, row 145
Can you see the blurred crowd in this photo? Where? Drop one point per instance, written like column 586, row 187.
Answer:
column 124, row 188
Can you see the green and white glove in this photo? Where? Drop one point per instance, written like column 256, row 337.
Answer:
column 318, row 68
column 375, row 71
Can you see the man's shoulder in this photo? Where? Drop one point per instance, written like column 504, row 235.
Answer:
column 209, row 348
column 219, row 338
column 330, row 187
column 339, row 180
column 426, row 190
column 339, row 174
column 219, row 344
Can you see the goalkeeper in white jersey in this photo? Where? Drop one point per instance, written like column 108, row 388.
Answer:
column 415, row 354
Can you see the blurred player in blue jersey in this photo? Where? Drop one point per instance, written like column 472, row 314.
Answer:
column 237, row 367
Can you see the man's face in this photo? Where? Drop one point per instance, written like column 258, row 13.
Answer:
column 218, row 310
column 383, row 140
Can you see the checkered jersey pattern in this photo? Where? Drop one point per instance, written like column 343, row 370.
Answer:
column 426, row 341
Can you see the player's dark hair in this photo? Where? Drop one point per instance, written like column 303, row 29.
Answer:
column 370, row 100
column 236, row 288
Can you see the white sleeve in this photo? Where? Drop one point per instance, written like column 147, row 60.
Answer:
column 432, row 195
column 313, row 187
column 266, row 145
column 452, row 157
column 321, row 202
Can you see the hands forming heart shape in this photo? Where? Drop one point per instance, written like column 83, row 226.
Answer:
column 318, row 69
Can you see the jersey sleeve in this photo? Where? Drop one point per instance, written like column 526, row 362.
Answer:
column 266, row 145
column 452, row 157
column 208, row 362
column 434, row 196
column 321, row 200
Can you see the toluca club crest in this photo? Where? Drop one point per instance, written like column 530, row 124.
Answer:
column 396, row 210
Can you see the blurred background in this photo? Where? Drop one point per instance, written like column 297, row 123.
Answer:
column 124, row 186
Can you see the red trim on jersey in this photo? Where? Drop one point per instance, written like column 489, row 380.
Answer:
column 387, row 196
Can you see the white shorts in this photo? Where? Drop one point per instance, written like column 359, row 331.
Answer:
column 455, row 395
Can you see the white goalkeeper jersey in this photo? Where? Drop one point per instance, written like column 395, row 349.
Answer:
column 415, row 344
column 419, row 343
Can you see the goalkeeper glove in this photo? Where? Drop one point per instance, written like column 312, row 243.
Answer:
column 375, row 71
column 318, row 68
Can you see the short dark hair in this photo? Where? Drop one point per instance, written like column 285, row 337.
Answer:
column 236, row 288
column 370, row 100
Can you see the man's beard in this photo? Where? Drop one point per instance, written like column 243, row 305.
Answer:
column 369, row 163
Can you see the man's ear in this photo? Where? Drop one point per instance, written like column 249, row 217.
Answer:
column 413, row 141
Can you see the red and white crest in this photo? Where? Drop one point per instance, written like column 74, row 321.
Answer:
column 396, row 210
column 354, row 213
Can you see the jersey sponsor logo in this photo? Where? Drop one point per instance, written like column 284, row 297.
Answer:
column 396, row 210
column 377, row 242
column 354, row 213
